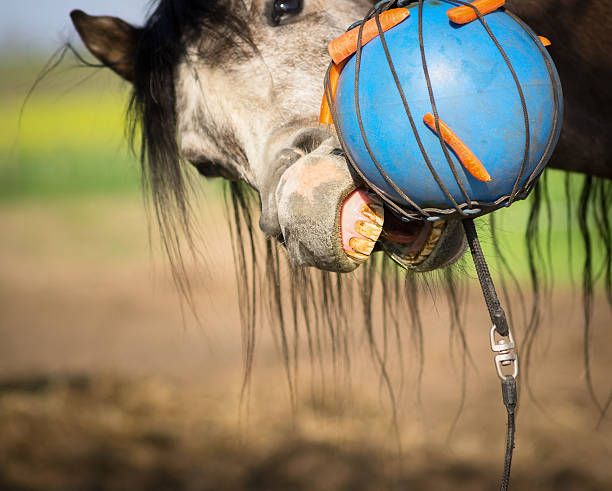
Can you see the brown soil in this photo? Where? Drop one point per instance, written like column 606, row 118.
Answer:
column 105, row 385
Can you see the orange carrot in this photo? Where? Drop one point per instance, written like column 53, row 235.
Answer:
column 344, row 46
column 466, row 156
column 325, row 116
column 544, row 41
column 334, row 74
column 465, row 14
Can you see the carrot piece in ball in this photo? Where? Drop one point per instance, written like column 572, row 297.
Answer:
column 344, row 46
column 544, row 41
column 465, row 14
column 325, row 116
column 465, row 155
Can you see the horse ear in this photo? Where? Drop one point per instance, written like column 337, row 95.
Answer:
column 110, row 39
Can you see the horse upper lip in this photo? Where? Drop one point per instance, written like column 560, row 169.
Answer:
column 298, row 144
column 268, row 220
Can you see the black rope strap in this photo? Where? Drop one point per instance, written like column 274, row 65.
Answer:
column 500, row 325
column 508, row 387
column 497, row 314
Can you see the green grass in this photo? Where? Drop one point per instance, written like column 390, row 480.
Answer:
column 68, row 171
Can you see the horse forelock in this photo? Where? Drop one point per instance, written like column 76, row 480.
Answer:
column 171, row 28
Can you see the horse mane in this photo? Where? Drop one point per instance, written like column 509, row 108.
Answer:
column 169, row 30
column 327, row 306
column 589, row 204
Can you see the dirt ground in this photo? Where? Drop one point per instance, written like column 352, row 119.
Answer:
column 106, row 385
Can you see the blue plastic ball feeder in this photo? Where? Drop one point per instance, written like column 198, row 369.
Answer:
column 505, row 108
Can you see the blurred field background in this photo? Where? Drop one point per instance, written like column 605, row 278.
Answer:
column 107, row 381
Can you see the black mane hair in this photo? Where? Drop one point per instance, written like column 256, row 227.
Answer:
column 163, row 40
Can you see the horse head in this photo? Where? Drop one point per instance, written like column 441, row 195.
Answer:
column 235, row 88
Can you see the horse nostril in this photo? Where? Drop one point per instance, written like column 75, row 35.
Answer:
column 309, row 139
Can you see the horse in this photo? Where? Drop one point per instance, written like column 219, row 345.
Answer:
column 233, row 88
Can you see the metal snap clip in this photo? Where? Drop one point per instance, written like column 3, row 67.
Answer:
column 505, row 358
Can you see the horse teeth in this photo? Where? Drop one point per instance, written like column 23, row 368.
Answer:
column 409, row 258
column 368, row 229
column 355, row 256
column 363, row 246
column 427, row 250
column 428, row 247
column 374, row 212
column 435, row 233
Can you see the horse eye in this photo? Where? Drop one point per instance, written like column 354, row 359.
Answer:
column 284, row 8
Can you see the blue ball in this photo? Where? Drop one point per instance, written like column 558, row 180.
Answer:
column 475, row 94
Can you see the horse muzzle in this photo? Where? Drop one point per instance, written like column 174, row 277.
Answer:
column 314, row 204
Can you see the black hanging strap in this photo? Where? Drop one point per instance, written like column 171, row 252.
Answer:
column 509, row 396
column 498, row 316
column 500, row 325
